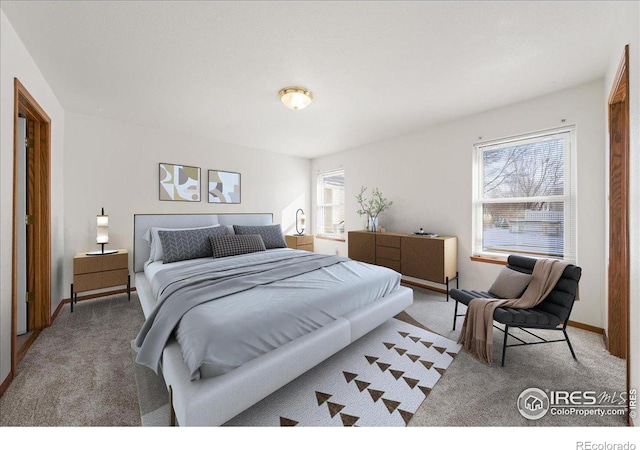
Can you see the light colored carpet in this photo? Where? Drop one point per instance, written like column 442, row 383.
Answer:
column 379, row 380
column 474, row 394
column 80, row 372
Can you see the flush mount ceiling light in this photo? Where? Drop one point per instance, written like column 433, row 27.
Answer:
column 295, row 97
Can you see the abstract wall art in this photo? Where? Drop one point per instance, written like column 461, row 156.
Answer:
column 224, row 187
column 179, row 183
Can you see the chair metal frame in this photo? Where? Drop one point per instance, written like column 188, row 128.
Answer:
column 540, row 340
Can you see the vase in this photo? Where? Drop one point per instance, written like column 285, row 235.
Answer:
column 372, row 224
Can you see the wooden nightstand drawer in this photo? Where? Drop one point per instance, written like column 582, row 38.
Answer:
column 117, row 261
column 100, row 280
column 87, row 281
column 300, row 242
column 304, row 240
column 114, row 278
column 87, row 264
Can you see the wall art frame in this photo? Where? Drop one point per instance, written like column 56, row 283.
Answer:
column 179, row 183
column 224, row 187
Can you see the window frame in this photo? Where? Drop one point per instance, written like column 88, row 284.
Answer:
column 569, row 197
column 320, row 205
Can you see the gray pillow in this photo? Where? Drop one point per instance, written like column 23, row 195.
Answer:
column 233, row 245
column 510, row 284
column 180, row 245
column 271, row 234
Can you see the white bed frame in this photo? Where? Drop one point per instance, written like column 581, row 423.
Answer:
column 213, row 401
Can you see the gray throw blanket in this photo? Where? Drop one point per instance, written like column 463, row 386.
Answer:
column 197, row 285
column 476, row 335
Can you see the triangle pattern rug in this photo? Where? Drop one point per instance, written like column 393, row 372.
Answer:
column 379, row 380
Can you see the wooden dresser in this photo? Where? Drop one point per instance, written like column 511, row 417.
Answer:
column 94, row 272
column 432, row 259
column 304, row 242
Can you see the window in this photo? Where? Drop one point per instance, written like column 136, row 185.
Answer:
column 331, row 204
column 524, row 196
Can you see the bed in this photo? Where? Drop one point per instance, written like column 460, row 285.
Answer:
column 353, row 299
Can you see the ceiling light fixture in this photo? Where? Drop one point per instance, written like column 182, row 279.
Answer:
column 295, row 97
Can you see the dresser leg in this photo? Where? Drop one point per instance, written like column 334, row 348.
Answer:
column 447, row 279
column 129, row 286
column 71, row 298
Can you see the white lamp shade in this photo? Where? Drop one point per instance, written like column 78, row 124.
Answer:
column 102, row 230
column 103, row 221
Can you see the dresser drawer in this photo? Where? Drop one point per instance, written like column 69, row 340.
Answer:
column 394, row 265
column 387, row 241
column 307, row 247
column 388, row 253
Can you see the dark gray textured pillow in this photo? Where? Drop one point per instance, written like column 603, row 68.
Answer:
column 510, row 284
column 271, row 234
column 180, row 245
column 233, row 244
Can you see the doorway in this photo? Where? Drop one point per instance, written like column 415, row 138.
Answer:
column 619, row 265
column 31, row 274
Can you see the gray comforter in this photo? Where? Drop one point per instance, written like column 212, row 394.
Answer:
column 181, row 290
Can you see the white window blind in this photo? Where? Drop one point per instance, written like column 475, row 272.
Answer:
column 524, row 199
column 331, row 200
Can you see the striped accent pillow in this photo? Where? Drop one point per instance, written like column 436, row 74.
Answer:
column 271, row 234
column 233, row 245
column 180, row 245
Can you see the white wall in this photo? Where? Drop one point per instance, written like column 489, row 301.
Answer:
column 428, row 176
column 114, row 165
column 16, row 62
column 632, row 38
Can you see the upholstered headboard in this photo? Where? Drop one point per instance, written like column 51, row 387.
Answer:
column 142, row 222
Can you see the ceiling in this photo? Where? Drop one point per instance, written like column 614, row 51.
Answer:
column 376, row 69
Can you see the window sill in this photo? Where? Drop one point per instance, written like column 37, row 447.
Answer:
column 330, row 238
column 486, row 259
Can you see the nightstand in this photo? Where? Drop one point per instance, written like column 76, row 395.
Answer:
column 304, row 242
column 93, row 272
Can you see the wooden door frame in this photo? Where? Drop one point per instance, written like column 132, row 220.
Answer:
column 618, row 295
column 25, row 103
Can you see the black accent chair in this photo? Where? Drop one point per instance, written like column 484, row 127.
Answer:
column 550, row 314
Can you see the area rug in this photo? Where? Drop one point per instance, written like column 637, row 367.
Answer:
column 379, row 380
